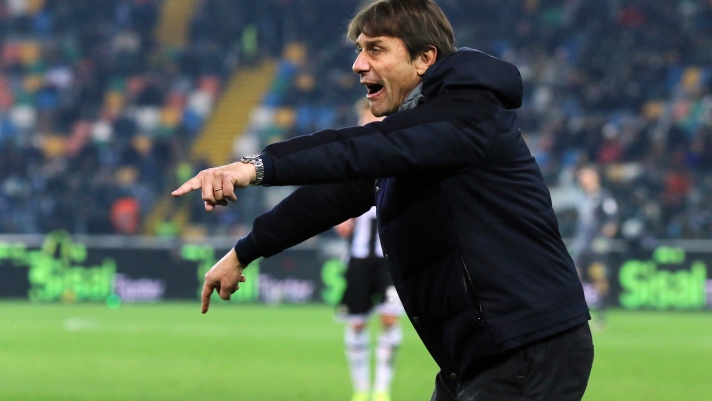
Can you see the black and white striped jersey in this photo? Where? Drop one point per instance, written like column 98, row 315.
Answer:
column 365, row 242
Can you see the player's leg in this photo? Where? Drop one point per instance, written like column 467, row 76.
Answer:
column 391, row 335
column 592, row 273
column 354, row 310
column 358, row 354
column 598, row 273
column 389, row 340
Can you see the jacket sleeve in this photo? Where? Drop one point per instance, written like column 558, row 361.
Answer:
column 305, row 213
column 442, row 133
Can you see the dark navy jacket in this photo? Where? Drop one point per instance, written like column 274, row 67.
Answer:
column 464, row 215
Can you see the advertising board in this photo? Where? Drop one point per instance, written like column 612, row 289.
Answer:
column 58, row 267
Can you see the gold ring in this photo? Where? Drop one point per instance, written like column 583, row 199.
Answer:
column 217, row 189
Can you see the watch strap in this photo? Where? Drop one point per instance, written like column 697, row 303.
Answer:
column 255, row 160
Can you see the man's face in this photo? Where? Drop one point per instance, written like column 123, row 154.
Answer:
column 589, row 180
column 387, row 72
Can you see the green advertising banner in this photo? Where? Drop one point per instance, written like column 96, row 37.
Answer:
column 61, row 268
column 64, row 269
column 671, row 279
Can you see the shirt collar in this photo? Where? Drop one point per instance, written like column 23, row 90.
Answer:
column 414, row 98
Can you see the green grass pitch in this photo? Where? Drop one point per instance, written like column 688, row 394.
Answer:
column 170, row 351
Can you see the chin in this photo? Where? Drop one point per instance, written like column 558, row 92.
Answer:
column 382, row 111
column 376, row 111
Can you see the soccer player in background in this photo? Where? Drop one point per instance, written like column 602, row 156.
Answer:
column 597, row 224
column 369, row 288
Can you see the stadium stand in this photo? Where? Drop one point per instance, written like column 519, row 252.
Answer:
column 100, row 108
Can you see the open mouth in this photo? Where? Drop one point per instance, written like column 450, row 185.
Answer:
column 373, row 89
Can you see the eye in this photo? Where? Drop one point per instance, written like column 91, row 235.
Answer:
column 375, row 50
column 358, row 49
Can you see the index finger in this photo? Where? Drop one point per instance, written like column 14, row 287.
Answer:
column 190, row 185
column 205, row 297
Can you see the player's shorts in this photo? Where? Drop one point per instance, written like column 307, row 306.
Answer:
column 369, row 288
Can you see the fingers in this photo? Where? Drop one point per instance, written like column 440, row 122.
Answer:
column 210, row 206
column 228, row 287
column 208, row 189
column 228, row 189
column 223, row 190
column 217, row 185
column 217, row 188
column 227, row 291
column 205, row 296
column 190, row 185
column 212, row 191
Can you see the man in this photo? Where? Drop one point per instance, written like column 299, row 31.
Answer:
column 597, row 212
column 464, row 216
column 369, row 287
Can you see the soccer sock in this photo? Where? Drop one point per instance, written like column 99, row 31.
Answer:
column 358, row 357
column 388, row 342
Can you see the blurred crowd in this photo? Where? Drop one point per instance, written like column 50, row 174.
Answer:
column 96, row 115
column 625, row 85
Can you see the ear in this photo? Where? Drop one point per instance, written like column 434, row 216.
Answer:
column 425, row 59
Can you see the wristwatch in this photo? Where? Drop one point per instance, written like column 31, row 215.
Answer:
column 256, row 161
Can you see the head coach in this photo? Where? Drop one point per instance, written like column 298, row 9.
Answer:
column 464, row 216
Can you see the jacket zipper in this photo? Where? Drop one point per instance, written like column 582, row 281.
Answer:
column 472, row 291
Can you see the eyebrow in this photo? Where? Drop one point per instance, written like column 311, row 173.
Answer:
column 370, row 42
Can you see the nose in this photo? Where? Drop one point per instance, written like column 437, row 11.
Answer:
column 360, row 64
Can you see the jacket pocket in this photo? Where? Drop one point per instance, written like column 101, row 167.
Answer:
column 471, row 292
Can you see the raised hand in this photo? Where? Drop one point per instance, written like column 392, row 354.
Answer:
column 218, row 184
